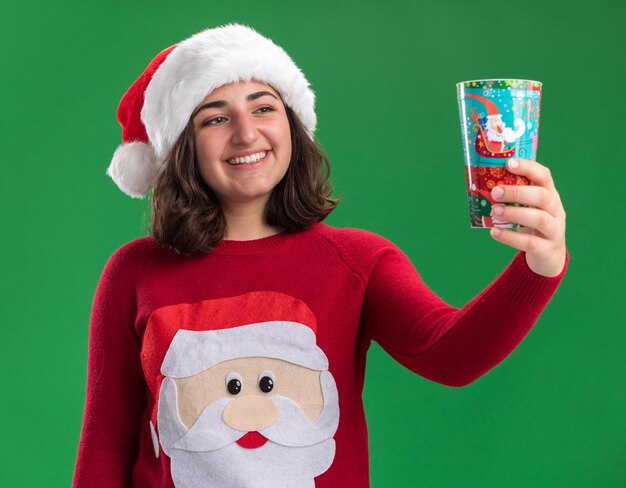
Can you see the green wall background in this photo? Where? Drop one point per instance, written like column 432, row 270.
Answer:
column 551, row 415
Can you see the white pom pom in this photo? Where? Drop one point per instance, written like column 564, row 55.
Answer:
column 133, row 168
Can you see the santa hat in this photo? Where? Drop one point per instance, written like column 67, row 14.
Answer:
column 185, row 339
column 158, row 105
column 492, row 109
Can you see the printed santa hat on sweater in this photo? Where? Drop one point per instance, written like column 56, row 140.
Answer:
column 158, row 105
column 185, row 339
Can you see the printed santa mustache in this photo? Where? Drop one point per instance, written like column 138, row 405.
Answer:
column 209, row 432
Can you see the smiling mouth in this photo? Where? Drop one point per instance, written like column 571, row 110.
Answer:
column 249, row 160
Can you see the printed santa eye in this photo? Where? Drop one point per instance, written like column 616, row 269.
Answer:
column 233, row 383
column 266, row 381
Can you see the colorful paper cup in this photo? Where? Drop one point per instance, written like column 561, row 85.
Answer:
column 499, row 121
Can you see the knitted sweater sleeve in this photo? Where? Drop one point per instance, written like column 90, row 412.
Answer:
column 115, row 394
column 445, row 344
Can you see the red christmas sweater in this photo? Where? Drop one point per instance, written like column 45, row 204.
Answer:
column 245, row 366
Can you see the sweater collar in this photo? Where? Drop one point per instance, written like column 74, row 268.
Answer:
column 259, row 246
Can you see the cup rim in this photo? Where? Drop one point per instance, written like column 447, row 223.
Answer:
column 500, row 79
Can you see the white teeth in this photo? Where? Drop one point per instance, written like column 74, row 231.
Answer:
column 251, row 158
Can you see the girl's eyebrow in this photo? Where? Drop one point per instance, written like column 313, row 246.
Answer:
column 224, row 103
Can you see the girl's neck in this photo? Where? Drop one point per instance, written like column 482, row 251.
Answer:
column 246, row 224
column 251, row 232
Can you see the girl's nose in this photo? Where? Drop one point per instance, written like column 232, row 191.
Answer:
column 244, row 130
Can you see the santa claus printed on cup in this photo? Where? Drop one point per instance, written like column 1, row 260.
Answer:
column 498, row 134
column 243, row 395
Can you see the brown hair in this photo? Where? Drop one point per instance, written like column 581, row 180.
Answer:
column 186, row 213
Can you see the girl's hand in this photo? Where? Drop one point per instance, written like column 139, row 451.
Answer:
column 543, row 236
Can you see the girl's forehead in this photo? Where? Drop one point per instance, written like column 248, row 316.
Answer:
column 240, row 89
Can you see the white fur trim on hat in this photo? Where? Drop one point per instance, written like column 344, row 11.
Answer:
column 133, row 168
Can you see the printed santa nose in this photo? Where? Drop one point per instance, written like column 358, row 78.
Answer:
column 250, row 413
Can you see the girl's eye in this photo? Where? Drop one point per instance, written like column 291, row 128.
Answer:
column 214, row 121
column 219, row 120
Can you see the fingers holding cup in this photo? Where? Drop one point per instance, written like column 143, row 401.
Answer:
column 540, row 176
column 540, row 194
column 536, row 172
column 531, row 220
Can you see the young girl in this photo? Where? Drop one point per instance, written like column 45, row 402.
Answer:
column 228, row 348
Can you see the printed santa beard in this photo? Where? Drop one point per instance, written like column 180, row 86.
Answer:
column 497, row 131
column 207, row 454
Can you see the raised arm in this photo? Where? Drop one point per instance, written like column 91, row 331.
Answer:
column 445, row 344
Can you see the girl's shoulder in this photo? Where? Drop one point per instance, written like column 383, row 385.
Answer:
column 129, row 258
column 136, row 249
column 359, row 248
column 358, row 239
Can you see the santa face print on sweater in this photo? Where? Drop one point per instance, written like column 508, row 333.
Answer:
column 243, row 401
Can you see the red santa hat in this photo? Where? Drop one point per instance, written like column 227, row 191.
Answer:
column 157, row 106
column 185, row 339
column 492, row 109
